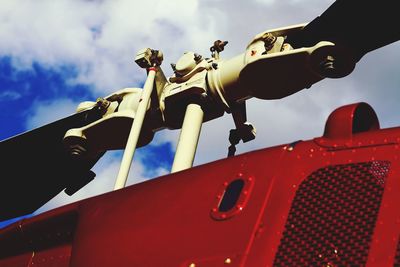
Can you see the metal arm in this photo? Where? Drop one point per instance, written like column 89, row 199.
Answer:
column 270, row 68
column 189, row 138
column 135, row 131
column 149, row 59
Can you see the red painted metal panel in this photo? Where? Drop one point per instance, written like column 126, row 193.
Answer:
column 307, row 157
column 43, row 240
column 167, row 221
column 12, row 241
column 52, row 257
column 333, row 216
column 241, row 202
column 22, row 260
column 170, row 221
column 344, row 121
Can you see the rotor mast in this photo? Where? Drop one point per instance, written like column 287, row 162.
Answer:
column 189, row 138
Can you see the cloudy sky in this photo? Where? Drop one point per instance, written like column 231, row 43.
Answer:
column 56, row 54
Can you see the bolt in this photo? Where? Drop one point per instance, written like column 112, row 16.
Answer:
column 218, row 46
column 328, row 66
column 156, row 57
column 197, row 57
column 269, row 38
column 173, row 66
column 228, row 261
column 102, row 103
column 286, row 47
column 77, row 150
column 269, row 41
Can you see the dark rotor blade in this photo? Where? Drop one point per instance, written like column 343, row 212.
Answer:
column 358, row 25
column 35, row 166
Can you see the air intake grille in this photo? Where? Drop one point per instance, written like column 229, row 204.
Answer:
column 333, row 216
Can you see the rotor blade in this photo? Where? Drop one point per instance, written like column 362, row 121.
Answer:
column 35, row 167
column 358, row 25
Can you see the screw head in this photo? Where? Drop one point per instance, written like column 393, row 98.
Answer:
column 228, row 261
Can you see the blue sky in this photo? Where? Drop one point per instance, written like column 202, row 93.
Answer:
column 22, row 89
column 56, row 54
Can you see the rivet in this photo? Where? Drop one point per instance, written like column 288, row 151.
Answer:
column 228, row 261
column 192, row 265
column 290, row 148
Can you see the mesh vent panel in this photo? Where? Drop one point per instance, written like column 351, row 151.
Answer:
column 333, row 215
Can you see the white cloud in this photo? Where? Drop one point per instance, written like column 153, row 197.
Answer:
column 42, row 113
column 100, row 38
column 9, row 95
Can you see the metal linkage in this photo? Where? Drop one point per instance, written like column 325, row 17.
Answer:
column 246, row 132
column 149, row 59
column 203, row 89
